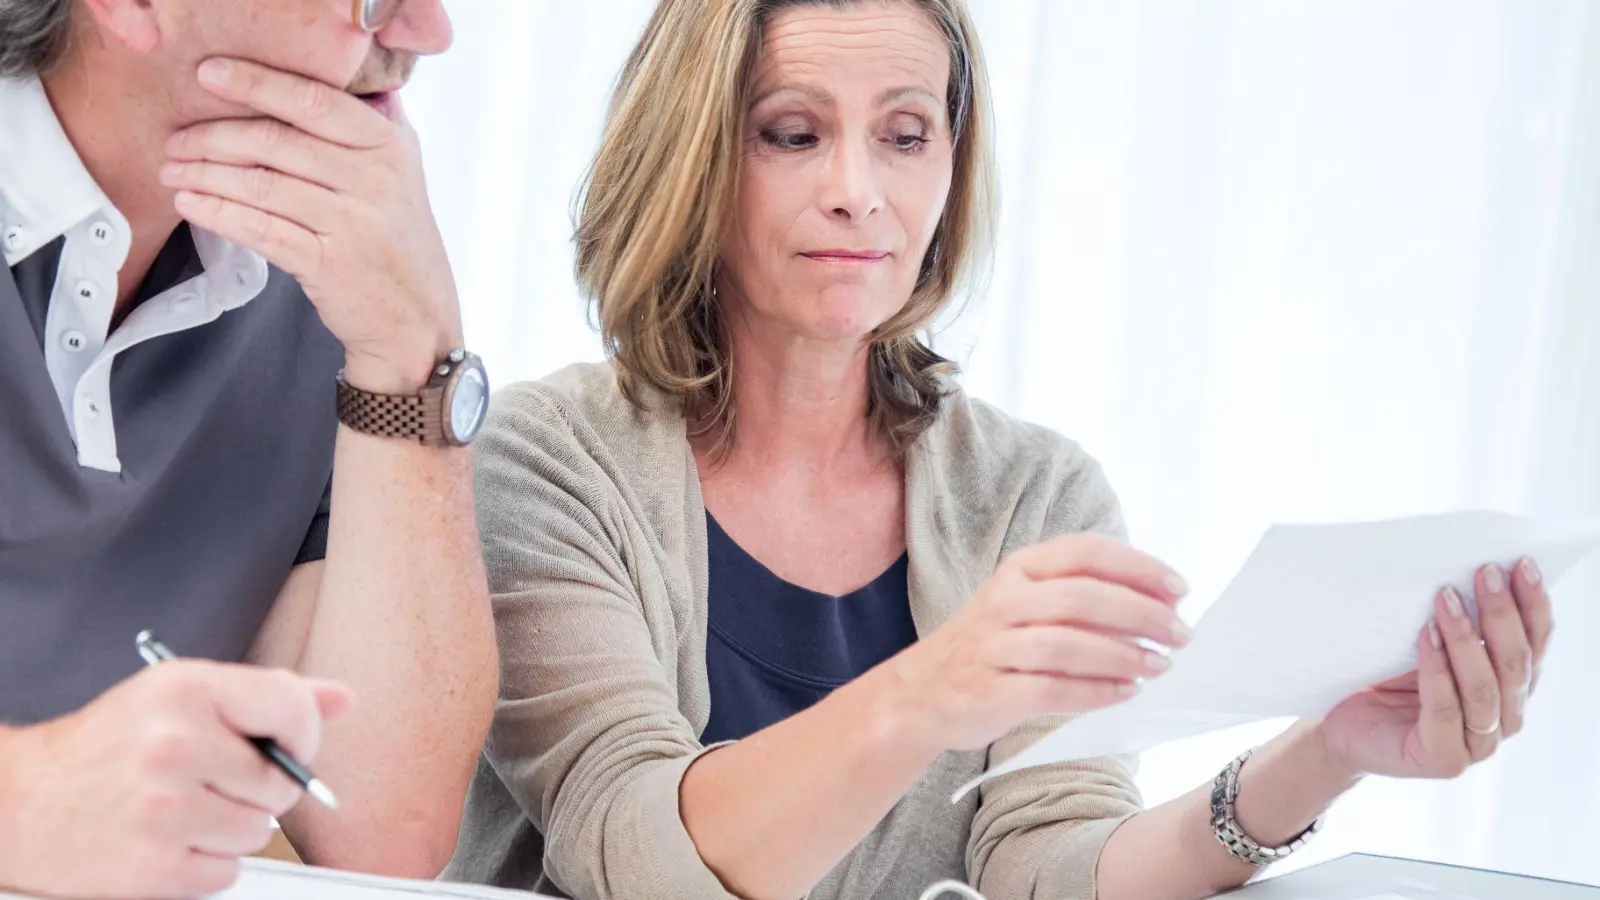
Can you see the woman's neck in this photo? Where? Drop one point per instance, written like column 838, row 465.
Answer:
column 800, row 404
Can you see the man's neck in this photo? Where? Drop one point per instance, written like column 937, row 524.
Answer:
column 123, row 149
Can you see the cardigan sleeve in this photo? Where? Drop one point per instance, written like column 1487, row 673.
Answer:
column 1039, row 831
column 588, row 736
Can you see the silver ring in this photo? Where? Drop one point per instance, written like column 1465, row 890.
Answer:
column 1483, row 731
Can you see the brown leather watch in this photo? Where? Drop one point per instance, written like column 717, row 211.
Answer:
column 449, row 412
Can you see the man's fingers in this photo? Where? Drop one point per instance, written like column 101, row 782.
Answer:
column 285, row 244
column 269, row 143
column 223, row 828
column 309, row 105
column 203, row 874
column 271, row 703
column 238, row 772
column 311, row 206
column 333, row 699
column 1097, row 556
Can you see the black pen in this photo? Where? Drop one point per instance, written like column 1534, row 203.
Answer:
column 154, row 652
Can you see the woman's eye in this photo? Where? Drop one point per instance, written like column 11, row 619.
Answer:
column 788, row 140
column 909, row 143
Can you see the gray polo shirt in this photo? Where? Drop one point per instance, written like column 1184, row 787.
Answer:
column 166, row 472
column 225, row 435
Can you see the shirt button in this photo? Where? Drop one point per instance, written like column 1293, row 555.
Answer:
column 87, row 291
column 14, row 237
column 101, row 233
column 183, row 303
column 73, row 341
column 91, row 407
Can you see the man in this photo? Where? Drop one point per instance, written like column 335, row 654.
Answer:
column 171, row 455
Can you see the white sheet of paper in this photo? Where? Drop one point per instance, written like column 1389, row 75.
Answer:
column 271, row 880
column 1317, row 613
column 265, row 879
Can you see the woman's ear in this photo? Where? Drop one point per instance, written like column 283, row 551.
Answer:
column 130, row 24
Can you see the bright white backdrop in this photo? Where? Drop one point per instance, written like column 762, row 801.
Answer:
column 1269, row 260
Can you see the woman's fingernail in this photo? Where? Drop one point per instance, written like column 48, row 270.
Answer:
column 171, row 172
column 1176, row 585
column 1452, row 602
column 1128, row 688
column 1492, row 579
column 1434, row 637
column 1155, row 663
column 1530, row 570
column 1181, row 633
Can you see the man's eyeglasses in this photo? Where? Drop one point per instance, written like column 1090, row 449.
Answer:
column 374, row 15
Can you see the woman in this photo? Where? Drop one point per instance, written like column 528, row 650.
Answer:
column 770, row 586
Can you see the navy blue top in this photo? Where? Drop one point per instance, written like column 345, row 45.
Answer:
column 774, row 648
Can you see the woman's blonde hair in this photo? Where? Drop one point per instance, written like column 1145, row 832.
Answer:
column 659, row 193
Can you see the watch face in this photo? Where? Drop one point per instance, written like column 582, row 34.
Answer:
column 469, row 402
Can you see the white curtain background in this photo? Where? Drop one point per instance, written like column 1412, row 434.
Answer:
column 1268, row 260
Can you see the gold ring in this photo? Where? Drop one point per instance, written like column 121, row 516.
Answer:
column 1484, row 731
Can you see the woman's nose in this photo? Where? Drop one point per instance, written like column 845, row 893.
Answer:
column 850, row 188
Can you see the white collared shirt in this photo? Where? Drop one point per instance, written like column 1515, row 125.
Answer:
column 46, row 193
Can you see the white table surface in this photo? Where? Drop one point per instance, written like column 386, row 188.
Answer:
column 1359, row 876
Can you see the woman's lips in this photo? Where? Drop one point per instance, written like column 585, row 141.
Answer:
column 847, row 256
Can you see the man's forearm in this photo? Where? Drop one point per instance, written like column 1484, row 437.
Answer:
column 8, row 774
column 403, row 617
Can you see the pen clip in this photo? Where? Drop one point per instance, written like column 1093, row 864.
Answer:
column 152, row 649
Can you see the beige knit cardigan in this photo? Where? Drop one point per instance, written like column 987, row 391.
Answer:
column 594, row 535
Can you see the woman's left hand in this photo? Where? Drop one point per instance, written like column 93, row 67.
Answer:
column 1465, row 695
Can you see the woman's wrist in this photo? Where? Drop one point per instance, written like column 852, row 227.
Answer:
column 1291, row 782
column 900, row 714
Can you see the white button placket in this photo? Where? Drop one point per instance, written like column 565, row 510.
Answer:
column 14, row 237
column 87, row 289
column 75, row 326
column 102, row 233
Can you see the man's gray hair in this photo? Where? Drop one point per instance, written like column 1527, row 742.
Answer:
column 33, row 34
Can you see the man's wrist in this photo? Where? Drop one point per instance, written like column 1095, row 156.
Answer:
column 403, row 370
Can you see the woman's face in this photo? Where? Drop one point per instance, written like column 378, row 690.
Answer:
column 847, row 164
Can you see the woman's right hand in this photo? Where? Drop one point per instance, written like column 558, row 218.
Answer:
column 1051, row 631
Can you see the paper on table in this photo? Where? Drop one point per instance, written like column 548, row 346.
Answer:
column 271, row 880
column 1317, row 613
column 265, row 879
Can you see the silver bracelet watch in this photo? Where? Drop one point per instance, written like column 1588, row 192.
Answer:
column 1226, row 827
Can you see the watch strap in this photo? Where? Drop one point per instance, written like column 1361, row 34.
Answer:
column 418, row 417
